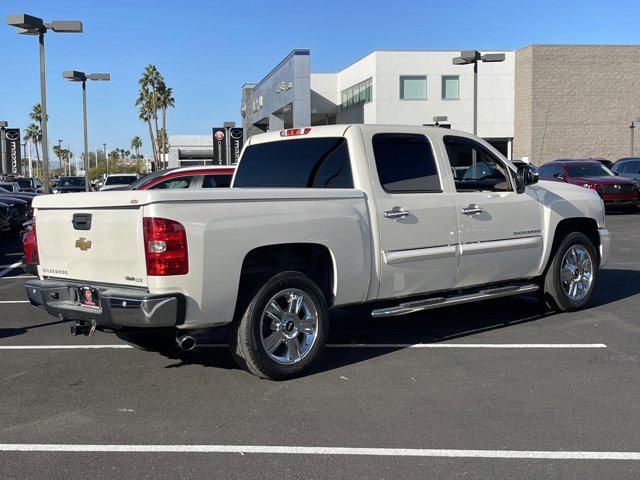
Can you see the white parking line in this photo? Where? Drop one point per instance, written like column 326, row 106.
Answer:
column 336, row 345
column 297, row 450
column 467, row 345
column 9, row 268
column 14, row 301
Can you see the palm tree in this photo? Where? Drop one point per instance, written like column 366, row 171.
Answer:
column 150, row 82
column 136, row 144
column 33, row 134
column 144, row 114
column 165, row 100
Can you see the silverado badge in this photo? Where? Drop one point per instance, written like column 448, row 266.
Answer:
column 83, row 244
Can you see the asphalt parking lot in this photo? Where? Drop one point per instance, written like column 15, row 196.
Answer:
column 492, row 390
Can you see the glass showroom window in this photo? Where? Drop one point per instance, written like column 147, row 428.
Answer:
column 413, row 87
column 451, row 87
column 356, row 95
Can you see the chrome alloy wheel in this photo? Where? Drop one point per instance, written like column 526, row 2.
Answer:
column 289, row 326
column 576, row 272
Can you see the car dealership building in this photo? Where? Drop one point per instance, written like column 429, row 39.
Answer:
column 540, row 103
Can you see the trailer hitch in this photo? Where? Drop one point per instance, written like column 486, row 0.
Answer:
column 81, row 327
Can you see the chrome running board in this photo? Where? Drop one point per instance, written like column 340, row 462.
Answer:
column 431, row 303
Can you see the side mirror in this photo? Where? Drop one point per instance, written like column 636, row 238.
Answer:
column 527, row 175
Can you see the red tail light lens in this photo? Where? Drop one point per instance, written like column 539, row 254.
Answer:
column 30, row 244
column 165, row 246
column 294, row 132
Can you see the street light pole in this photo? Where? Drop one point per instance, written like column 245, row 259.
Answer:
column 76, row 76
column 86, row 141
column 473, row 56
column 475, row 98
column 30, row 25
column 43, row 105
column 632, row 127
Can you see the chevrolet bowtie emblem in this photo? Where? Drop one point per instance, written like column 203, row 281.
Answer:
column 83, row 244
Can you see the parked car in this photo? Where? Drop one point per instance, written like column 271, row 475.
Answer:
column 186, row 177
column 69, row 185
column 628, row 167
column 317, row 217
column 614, row 190
column 19, row 211
column 118, row 180
column 603, row 161
column 29, row 184
column 5, row 218
column 10, row 186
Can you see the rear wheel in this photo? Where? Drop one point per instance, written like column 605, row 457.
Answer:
column 570, row 280
column 283, row 329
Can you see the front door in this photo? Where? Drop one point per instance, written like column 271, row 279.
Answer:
column 416, row 217
column 500, row 230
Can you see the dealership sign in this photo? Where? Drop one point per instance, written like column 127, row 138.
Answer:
column 227, row 145
column 12, row 147
column 220, row 146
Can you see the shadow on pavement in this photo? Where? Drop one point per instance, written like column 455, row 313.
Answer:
column 355, row 325
column 13, row 332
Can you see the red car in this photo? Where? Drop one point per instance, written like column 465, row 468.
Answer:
column 171, row 178
column 185, row 177
column 615, row 191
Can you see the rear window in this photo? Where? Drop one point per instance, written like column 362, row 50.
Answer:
column 216, row 181
column 301, row 163
column 120, row 179
column 24, row 182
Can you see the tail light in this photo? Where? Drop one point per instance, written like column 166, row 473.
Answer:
column 294, row 132
column 165, row 247
column 30, row 244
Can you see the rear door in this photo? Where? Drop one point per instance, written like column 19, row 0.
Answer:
column 100, row 245
column 416, row 216
column 500, row 230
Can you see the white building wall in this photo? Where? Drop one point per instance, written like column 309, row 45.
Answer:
column 495, row 91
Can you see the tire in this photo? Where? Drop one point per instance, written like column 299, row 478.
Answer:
column 566, row 289
column 282, row 341
column 162, row 341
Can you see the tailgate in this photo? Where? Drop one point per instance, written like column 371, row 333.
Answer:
column 108, row 251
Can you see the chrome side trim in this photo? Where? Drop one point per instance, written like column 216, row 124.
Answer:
column 429, row 304
column 392, row 257
column 492, row 246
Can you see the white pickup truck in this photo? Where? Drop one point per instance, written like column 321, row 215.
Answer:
column 403, row 218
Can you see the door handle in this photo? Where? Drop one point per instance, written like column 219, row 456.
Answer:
column 396, row 212
column 472, row 209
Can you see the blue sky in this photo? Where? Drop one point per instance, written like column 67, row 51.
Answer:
column 206, row 50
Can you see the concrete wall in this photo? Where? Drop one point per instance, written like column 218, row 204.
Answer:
column 581, row 97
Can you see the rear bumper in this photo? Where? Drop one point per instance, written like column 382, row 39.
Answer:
column 118, row 307
column 605, row 242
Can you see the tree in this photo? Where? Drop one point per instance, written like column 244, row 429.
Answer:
column 136, row 145
column 144, row 114
column 33, row 134
column 149, row 82
column 165, row 100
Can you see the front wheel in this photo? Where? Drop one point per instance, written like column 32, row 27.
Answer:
column 570, row 280
column 283, row 329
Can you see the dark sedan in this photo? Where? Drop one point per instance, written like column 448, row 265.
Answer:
column 69, row 185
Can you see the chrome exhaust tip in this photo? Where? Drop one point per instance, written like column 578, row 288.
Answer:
column 186, row 342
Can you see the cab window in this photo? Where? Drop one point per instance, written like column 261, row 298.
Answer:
column 405, row 163
column 475, row 168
